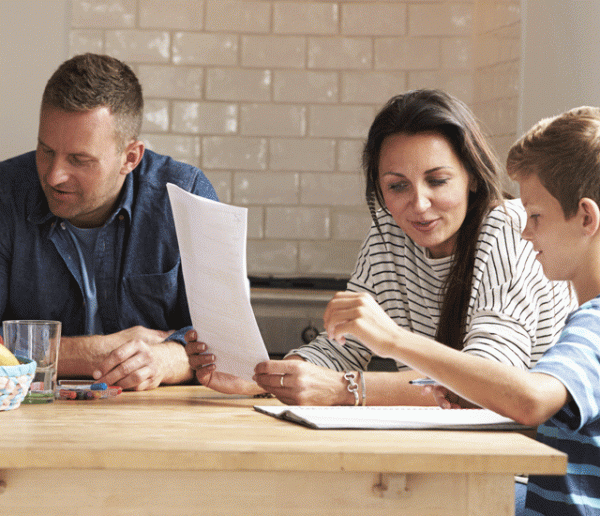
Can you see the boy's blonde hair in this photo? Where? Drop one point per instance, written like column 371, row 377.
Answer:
column 564, row 152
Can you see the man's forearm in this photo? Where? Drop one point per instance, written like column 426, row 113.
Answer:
column 80, row 356
column 175, row 363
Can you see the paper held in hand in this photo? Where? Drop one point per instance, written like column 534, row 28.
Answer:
column 212, row 244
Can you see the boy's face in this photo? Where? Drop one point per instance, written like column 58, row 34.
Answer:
column 556, row 240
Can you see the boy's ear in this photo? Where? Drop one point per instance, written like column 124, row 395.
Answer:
column 591, row 215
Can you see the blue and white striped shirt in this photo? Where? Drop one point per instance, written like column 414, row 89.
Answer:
column 575, row 429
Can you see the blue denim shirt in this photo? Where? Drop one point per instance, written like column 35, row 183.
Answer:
column 139, row 279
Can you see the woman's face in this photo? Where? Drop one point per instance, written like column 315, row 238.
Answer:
column 426, row 189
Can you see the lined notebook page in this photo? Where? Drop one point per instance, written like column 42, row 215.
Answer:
column 391, row 418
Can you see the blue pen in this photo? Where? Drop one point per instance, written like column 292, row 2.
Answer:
column 423, row 381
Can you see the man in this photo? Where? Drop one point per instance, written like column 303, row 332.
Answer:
column 87, row 235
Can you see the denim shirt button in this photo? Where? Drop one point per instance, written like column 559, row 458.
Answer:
column 63, row 225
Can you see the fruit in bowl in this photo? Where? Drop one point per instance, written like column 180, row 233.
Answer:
column 6, row 357
column 15, row 378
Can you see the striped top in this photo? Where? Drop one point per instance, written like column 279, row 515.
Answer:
column 575, row 429
column 514, row 314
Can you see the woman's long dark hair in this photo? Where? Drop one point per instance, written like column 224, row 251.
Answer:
column 435, row 111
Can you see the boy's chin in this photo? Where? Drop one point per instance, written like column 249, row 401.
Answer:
column 553, row 275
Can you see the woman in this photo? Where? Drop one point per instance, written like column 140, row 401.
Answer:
column 444, row 259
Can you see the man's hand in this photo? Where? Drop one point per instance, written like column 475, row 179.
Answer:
column 141, row 333
column 140, row 359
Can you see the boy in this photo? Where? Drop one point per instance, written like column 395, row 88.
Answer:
column 557, row 164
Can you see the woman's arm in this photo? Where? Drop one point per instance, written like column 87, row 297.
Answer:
column 308, row 384
column 529, row 398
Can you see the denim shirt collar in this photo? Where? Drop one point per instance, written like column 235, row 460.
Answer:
column 39, row 212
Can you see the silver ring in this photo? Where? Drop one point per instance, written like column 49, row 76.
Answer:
column 281, row 380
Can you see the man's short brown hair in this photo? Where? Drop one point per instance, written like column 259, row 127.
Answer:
column 90, row 81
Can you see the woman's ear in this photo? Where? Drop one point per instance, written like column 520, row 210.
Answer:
column 590, row 212
column 472, row 184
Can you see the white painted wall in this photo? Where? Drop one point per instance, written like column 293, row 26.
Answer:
column 33, row 42
column 560, row 57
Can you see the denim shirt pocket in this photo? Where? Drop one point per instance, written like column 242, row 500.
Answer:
column 152, row 300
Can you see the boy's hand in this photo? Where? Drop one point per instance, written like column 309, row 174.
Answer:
column 445, row 398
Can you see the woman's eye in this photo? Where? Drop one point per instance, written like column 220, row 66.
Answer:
column 397, row 187
column 438, row 182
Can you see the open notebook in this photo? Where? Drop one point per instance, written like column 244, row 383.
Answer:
column 391, row 418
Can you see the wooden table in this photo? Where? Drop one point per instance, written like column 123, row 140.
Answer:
column 189, row 451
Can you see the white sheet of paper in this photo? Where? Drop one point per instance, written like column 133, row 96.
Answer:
column 212, row 244
column 391, row 417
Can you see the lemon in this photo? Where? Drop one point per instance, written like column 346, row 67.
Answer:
column 6, row 357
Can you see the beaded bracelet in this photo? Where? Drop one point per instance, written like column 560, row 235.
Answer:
column 352, row 385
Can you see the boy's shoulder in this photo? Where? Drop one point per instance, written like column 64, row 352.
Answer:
column 585, row 319
column 590, row 308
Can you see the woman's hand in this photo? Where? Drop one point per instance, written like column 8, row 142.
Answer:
column 204, row 367
column 296, row 382
column 358, row 314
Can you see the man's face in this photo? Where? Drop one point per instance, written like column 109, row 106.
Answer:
column 79, row 164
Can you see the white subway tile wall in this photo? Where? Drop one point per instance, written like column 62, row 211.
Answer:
column 497, row 58
column 273, row 98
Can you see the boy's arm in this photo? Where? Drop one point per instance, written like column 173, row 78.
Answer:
column 529, row 398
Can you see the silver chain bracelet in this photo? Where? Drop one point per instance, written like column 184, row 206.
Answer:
column 352, row 386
